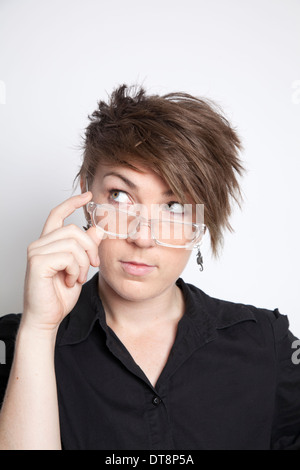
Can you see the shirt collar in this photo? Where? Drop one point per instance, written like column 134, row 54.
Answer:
column 77, row 326
column 205, row 314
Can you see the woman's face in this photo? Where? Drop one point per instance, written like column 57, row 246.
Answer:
column 121, row 185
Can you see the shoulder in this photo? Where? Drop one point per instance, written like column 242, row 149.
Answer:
column 261, row 340
column 269, row 323
column 9, row 325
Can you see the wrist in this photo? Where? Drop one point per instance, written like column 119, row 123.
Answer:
column 29, row 329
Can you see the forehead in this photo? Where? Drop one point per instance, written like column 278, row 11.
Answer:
column 140, row 178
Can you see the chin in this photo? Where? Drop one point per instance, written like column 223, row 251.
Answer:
column 136, row 289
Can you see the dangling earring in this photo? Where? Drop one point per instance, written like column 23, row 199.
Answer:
column 199, row 258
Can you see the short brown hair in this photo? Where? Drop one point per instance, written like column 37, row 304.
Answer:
column 186, row 140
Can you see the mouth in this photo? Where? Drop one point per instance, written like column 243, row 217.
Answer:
column 139, row 264
column 137, row 269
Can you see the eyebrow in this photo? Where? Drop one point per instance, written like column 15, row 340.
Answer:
column 131, row 185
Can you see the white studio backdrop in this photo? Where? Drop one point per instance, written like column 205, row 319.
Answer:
column 59, row 57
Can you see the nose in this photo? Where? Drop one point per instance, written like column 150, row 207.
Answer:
column 142, row 237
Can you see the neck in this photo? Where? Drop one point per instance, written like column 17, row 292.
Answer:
column 141, row 314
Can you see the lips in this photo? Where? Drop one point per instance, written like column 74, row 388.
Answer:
column 139, row 264
column 137, row 269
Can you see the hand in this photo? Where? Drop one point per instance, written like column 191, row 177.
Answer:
column 57, row 266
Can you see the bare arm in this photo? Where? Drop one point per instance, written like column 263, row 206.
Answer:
column 57, row 266
column 29, row 417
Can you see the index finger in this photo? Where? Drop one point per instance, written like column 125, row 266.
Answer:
column 58, row 215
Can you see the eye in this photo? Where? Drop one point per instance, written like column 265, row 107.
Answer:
column 175, row 207
column 120, row 197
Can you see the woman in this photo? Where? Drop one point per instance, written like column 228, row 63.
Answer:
column 135, row 358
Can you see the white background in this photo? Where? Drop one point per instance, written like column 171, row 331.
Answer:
column 59, row 57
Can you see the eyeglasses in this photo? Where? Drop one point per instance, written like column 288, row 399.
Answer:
column 171, row 230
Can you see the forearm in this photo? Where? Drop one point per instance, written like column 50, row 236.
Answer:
column 29, row 417
column 57, row 266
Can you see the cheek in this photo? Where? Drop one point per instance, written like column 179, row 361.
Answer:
column 175, row 261
column 108, row 251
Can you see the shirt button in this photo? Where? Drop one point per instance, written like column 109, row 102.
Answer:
column 156, row 400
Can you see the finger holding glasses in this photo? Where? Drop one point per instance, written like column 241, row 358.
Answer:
column 58, row 264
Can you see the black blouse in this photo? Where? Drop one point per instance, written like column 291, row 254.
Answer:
column 230, row 381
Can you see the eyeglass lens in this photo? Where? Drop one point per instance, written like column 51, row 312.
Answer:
column 123, row 224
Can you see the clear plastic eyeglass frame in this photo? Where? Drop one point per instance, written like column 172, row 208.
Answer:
column 200, row 228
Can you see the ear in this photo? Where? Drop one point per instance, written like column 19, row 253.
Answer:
column 83, row 184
